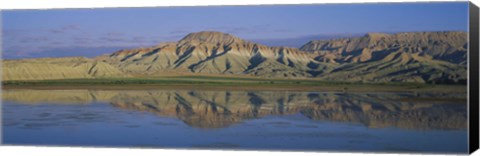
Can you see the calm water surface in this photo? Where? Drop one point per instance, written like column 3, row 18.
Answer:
column 255, row 120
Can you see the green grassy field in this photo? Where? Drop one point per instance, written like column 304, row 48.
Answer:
column 235, row 83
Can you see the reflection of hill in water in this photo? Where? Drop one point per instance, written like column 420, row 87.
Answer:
column 216, row 109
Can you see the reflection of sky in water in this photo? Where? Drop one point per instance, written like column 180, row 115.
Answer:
column 247, row 120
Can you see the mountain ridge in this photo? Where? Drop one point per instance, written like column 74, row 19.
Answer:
column 422, row 57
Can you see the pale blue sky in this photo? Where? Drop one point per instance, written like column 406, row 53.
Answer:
column 90, row 32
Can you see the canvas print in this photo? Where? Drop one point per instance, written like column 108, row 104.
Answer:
column 376, row 77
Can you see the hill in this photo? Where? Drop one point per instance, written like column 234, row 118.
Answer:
column 422, row 57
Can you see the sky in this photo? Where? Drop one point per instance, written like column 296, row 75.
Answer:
column 96, row 31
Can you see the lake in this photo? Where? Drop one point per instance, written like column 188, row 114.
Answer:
column 252, row 120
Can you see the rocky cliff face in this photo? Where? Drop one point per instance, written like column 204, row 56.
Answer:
column 213, row 53
column 406, row 57
column 425, row 57
column 445, row 46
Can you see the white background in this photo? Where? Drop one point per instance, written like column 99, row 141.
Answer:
column 79, row 151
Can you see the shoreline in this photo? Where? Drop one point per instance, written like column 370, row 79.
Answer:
column 229, row 83
column 249, row 87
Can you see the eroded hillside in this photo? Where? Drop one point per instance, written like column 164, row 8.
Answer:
column 422, row 57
